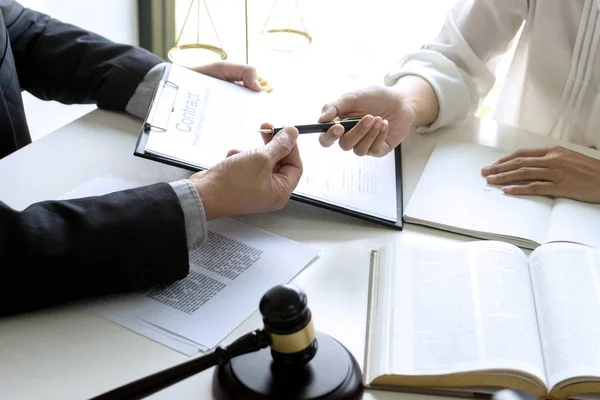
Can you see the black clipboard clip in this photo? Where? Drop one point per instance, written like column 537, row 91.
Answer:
column 163, row 104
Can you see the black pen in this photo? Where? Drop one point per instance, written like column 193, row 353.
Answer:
column 315, row 128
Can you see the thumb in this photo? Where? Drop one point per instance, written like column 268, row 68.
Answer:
column 250, row 79
column 233, row 152
column 281, row 144
column 266, row 137
column 242, row 72
column 232, row 72
column 341, row 107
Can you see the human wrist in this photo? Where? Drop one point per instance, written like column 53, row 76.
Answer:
column 208, row 192
column 420, row 99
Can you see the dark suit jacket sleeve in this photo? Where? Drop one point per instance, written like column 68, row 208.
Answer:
column 58, row 61
column 58, row 251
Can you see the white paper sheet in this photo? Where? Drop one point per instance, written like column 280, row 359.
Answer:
column 137, row 325
column 228, row 276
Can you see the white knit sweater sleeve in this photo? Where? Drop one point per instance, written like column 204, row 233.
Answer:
column 460, row 62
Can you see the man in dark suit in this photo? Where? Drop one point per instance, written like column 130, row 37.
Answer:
column 58, row 251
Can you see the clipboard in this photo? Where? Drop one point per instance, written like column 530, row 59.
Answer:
column 157, row 118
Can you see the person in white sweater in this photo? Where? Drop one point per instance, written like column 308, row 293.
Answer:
column 551, row 89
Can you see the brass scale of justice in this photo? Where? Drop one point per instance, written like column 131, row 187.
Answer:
column 282, row 39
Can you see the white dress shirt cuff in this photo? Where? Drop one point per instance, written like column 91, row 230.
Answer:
column 193, row 212
column 447, row 81
column 139, row 103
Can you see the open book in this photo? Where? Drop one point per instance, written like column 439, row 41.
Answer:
column 479, row 316
column 453, row 195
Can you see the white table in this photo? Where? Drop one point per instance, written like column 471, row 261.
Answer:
column 67, row 353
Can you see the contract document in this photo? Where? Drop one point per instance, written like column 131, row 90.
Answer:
column 195, row 120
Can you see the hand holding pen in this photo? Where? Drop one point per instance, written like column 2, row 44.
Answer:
column 371, row 127
column 387, row 115
column 367, row 137
column 362, row 135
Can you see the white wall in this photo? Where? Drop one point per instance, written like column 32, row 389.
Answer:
column 114, row 19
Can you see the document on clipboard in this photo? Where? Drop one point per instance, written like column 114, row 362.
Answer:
column 194, row 119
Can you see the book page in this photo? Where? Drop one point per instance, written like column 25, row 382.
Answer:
column 452, row 193
column 209, row 117
column 380, row 311
column 566, row 283
column 463, row 308
column 574, row 221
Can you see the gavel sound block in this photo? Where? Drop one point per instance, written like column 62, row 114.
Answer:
column 286, row 360
column 301, row 364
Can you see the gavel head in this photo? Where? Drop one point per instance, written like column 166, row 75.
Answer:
column 288, row 322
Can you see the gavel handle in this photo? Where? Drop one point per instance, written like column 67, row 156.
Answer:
column 144, row 387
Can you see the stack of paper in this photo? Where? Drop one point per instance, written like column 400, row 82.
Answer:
column 228, row 276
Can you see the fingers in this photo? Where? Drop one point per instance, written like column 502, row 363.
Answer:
column 290, row 171
column 525, row 174
column 283, row 155
column 513, row 164
column 523, row 153
column 281, row 145
column 368, row 127
column 241, row 72
column 328, row 138
column 328, row 113
column 364, row 125
column 283, row 152
column 341, row 107
column 367, row 144
column 533, row 188
column 233, row 73
column 367, row 137
column 380, row 147
column 250, row 79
